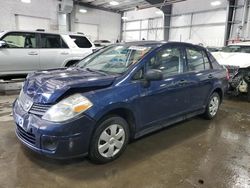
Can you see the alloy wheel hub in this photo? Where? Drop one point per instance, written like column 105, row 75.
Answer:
column 213, row 106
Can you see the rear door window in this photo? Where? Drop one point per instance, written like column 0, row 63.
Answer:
column 20, row 40
column 81, row 41
column 197, row 60
column 52, row 41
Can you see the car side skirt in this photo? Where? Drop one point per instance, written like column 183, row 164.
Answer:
column 160, row 125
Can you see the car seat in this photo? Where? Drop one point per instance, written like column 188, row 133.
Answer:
column 28, row 43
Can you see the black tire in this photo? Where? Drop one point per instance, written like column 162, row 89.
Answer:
column 248, row 92
column 208, row 114
column 94, row 154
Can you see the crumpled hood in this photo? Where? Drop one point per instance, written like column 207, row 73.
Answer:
column 48, row 86
column 241, row 60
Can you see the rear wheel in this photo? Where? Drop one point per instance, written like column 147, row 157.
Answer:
column 212, row 106
column 248, row 91
column 109, row 140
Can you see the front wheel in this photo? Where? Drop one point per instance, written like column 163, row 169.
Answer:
column 212, row 106
column 109, row 140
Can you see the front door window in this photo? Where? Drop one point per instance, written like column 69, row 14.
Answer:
column 20, row 40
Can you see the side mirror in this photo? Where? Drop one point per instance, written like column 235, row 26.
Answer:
column 3, row 44
column 154, row 75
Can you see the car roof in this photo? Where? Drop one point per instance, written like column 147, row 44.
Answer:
column 45, row 32
column 145, row 43
column 102, row 40
column 159, row 43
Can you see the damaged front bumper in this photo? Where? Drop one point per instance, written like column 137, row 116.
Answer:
column 57, row 140
column 239, row 79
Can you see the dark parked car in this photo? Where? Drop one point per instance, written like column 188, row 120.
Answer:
column 114, row 95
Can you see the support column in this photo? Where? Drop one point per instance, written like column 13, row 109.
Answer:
column 167, row 10
column 230, row 20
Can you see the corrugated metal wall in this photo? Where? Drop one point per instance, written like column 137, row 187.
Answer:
column 198, row 22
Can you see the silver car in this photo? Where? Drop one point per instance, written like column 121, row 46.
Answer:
column 22, row 52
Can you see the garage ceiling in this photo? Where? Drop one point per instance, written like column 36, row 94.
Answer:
column 125, row 5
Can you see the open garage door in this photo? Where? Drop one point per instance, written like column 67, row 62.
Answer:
column 32, row 23
column 90, row 30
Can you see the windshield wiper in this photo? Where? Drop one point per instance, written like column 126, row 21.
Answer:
column 97, row 71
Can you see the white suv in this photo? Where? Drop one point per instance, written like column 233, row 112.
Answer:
column 22, row 52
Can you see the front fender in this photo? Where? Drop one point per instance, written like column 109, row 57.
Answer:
column 112, row 107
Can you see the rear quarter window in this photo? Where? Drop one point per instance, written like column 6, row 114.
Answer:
column 81, row 41
column 206, row 61
column 214, row 62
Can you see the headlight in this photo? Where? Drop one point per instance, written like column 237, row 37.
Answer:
column 67, row 108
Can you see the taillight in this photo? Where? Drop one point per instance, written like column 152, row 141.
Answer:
column 228, row 76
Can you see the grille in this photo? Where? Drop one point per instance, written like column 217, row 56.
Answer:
column 39, row 109
column 29, row 137
column 35, row 108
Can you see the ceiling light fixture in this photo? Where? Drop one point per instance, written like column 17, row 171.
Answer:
column 215, row 3
column 83, row 11
column 26, row 1
column 114, row 3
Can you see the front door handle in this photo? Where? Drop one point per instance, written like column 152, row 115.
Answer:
column 65, row 53
column 33, row 53
column 182, row 82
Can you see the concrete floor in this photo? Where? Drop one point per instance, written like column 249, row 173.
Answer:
column 194, row 153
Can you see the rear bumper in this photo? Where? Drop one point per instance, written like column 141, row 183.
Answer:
column 56, row 140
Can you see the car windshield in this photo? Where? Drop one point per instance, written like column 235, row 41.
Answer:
column 236, row 48
column 114, row 59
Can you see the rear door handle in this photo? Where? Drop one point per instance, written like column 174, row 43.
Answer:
column 210, row 76
column 33, row 53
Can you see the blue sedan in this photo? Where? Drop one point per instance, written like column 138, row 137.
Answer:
column 116, row 94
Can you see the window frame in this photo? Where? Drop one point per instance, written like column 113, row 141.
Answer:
column 21, row 32
column 61, row 40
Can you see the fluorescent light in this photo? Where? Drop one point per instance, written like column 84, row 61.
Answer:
column 83, row 10
column 215, row 3
column 114, row 3
column 26, row 1
column 159, row 12
column 165, row 55
column 125, row 18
